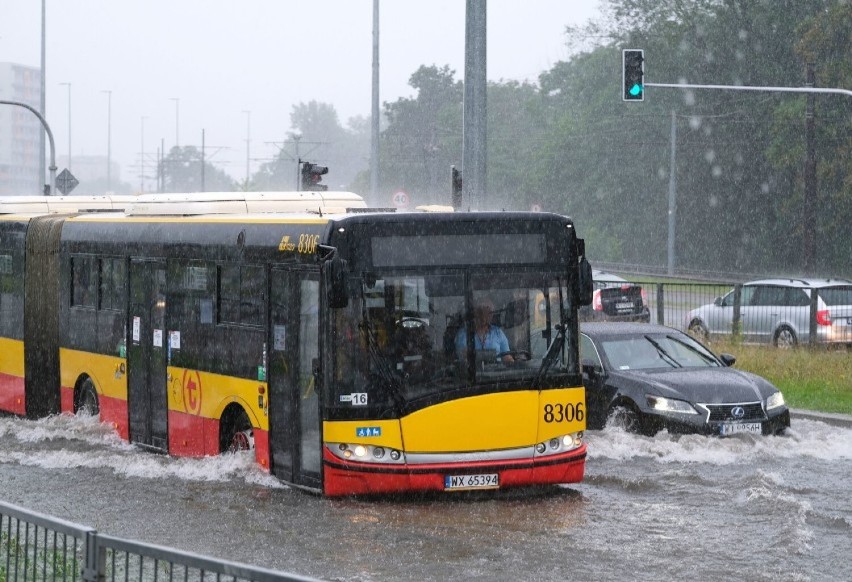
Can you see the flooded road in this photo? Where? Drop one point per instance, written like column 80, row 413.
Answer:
column 668, row 507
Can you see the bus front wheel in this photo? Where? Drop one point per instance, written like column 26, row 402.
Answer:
column 87, row 399
column 235, row 432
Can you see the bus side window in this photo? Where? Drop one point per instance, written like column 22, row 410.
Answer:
column 84, row 282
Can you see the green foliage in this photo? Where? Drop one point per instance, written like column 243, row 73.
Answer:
column 32, row 561
column 183, row 171
column 572, row 146
column 810, row 378
column 317, row 137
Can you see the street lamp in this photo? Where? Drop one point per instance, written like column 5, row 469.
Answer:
column 177, row 119
column 142, row 157
column 109, row 139
column 248, row 142
column 69, row 123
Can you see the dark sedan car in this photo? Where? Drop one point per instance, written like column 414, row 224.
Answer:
column 616, row 299
column 652, row 377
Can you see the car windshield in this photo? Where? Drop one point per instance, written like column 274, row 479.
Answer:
column 408, row 337
column 638, row 352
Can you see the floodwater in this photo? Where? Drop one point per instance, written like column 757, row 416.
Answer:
column 662, row 508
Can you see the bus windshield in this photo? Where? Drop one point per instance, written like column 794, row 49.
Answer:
column 410, row 338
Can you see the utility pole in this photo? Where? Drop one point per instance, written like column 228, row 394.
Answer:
column 809, row 214
column 672, row 196
column 142, row 156
column 109, row 140
column 69, row 124
column 202, row 162
column 177, row 119
column 374, row 139
column 43, row 105
column 474, row 125
column 248, row 146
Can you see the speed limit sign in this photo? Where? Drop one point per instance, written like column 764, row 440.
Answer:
column 400, row 199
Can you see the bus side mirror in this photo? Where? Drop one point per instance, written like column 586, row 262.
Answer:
column 585, row 287
column 338, row 269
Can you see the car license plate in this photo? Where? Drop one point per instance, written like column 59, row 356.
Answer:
column 483, row 481
column 739, row 427
column 628, row 305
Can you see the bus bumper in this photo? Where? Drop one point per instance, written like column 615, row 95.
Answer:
column 351, row 478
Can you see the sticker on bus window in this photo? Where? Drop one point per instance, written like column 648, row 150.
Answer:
column 137, row 328
column 174, row 340
column 356, row 398
column 280, row 337
column 158, row 338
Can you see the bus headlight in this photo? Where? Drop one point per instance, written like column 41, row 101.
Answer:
column 366, row 453
column 560, row 444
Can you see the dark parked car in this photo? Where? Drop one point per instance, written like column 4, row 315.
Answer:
column 653, row 377
column 616, row 299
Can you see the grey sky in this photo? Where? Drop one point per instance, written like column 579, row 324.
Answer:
column 223, row 57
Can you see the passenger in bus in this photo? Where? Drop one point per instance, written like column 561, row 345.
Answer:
column 487, row 336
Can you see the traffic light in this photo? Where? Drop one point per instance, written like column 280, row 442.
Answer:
column 312, row 176
column 634, row 74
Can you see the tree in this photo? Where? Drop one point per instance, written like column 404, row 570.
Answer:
column 183, row 171
column 423, row 137
column 321, row 139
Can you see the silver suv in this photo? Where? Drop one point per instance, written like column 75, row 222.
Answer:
column 778, row 311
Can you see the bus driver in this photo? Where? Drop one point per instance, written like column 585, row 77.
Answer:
column 486, row 335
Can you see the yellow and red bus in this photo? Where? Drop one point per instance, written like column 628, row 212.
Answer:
column 335, row 341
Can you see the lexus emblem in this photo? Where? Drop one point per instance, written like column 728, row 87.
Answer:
column 738, row 412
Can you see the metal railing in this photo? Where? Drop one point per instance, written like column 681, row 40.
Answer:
column 35, row 547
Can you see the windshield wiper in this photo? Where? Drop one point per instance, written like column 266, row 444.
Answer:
column 664, row 354
column 552, row 352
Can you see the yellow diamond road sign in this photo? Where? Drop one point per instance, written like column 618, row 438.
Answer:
column 65, row 181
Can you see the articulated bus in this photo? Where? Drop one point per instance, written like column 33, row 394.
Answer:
column 336, row 342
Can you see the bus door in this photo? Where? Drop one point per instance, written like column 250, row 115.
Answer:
column 147, row 355
column 294, row 412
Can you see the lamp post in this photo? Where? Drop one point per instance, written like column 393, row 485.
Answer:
column 43, row 101
column 109, row 139
column 177, row 119
column 248, row 146
column 142, row 157
column 69, row 123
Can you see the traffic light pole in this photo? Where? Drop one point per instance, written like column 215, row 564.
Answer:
column 43, row 121
column 753, row 88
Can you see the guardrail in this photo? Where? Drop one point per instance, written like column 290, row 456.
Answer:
column 34, row 546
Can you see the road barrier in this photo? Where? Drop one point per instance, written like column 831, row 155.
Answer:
column 34, row 546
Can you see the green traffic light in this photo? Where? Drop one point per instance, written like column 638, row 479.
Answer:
column 636, row 90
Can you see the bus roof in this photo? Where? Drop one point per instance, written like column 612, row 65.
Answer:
column 184, row 204
column 244, row 203
column 62, row 204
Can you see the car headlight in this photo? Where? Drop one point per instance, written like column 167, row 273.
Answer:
column 669, row 405
column 775, row 401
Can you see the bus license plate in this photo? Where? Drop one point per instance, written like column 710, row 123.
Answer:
column 738, row 427
column 483, row 481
